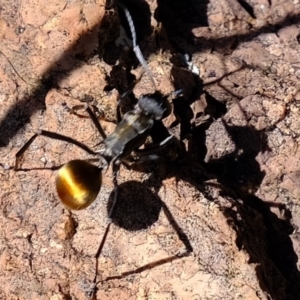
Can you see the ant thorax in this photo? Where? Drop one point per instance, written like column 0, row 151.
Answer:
column 130, row 133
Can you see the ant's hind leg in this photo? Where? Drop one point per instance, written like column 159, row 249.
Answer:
column 116, row 168
column 52, row 135
column 180, row 233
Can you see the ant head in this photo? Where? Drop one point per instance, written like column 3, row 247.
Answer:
column 155, row 105
column 78, row 184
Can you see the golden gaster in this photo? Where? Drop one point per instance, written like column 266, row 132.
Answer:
column 78, row 184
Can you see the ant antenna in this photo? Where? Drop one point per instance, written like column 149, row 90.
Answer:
column 130, row 88
column 136, row 47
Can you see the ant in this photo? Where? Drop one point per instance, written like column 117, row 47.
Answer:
column 78, row 182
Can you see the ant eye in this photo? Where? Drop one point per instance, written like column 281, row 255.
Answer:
column 78, row 184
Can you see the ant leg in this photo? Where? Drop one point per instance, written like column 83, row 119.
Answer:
column 130, row 89
column 182, row 236
column 116, row 168
column 124, row 95
column 156, row 147
column 160, row 161
column 51, row 135
column 148, row 154
column 96, row 122
column 92, row 115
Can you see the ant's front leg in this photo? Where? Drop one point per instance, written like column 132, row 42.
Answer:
column 92, row 115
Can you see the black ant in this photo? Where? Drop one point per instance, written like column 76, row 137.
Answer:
column 78, row 182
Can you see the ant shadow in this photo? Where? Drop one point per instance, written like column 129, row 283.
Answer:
column 138, row 208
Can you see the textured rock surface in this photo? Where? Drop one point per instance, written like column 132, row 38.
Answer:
column 235, row 191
